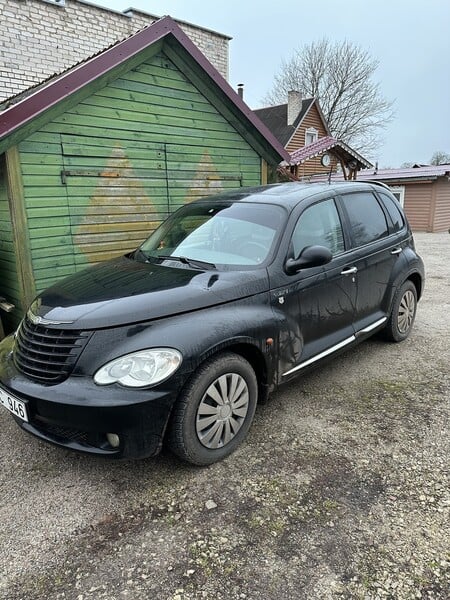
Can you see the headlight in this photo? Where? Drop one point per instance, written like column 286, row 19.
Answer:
column 139, row 369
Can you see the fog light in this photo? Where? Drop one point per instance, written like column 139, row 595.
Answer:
column 113, row 439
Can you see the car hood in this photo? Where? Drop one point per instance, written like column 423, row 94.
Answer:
column 123, row 290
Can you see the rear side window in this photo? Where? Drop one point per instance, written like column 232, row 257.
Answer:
column 319, row 225
column 392, row 207
column 367, row 220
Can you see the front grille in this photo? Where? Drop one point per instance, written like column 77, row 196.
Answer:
column 47, row 355
column 66, row 434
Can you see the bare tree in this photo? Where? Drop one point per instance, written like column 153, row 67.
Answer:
column 340, row 75
column 440, row 158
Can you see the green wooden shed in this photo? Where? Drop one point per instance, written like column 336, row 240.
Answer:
column 93, row 159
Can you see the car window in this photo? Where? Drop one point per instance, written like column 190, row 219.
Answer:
column 228, row 234
column 393, row 209
column 319, row 225
column 367, row 220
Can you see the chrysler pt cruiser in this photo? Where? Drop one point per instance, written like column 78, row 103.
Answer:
column 176, row 342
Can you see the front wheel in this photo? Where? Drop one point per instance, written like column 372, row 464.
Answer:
column 215, row 410
column 403, row 313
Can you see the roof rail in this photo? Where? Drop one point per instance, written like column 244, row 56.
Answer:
column 375, row 182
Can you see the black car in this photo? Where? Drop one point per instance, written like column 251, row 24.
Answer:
column 232, row 296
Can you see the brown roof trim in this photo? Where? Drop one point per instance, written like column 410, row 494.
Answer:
column 76, row 78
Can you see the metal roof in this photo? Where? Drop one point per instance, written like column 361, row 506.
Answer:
column 63, row 85
column 392, row 176
column 322, row 145
column 420, row 172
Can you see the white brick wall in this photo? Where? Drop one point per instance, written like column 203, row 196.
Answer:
column 39, row 38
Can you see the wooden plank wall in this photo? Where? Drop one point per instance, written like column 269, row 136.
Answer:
column 442, row 209
column 9, row 278
column 312, row 119
column 417, row 205
column 131, row 153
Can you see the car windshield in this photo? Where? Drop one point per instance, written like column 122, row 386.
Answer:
column 212, row 234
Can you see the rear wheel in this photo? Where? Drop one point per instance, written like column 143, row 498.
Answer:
column 215, row 410
column 403, row 313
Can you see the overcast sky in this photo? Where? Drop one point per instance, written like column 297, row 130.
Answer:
column 410, row 38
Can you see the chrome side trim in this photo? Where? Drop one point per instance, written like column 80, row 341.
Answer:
column 349, row 340
column 373, row 326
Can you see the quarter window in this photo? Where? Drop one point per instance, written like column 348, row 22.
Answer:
column 319, row 225
column 367, row 220
column 394, row 212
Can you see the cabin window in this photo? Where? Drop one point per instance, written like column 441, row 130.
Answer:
column 311, row 136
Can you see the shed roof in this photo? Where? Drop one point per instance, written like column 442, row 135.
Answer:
column 275, row 118
column 418, row 172
column 29, row 111
column 423, row 174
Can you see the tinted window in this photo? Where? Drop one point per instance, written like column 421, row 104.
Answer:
column 319, row 225
column 367, row 219
column 394, row 212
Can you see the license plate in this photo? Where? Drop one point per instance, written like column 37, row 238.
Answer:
column 14, row 405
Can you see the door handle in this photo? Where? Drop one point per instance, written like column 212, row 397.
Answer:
column 349, row 271
column 396, row 250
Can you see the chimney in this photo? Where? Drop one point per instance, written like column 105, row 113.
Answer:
column 294, row 106
column 240, row 90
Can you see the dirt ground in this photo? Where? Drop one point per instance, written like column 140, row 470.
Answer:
column 341, row 491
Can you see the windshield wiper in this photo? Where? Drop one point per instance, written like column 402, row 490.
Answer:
column 141, row 254
column 192, row 262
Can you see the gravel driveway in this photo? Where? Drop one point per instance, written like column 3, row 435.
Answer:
column 341, row 491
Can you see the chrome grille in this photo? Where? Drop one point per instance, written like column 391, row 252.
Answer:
column 47, row 355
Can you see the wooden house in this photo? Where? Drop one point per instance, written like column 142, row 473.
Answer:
column 300, row 126
column 91, row 161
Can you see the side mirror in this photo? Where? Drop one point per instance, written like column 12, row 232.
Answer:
column 311, row 256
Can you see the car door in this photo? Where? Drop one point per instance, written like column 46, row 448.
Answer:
column 316, row 304
column 375, row 252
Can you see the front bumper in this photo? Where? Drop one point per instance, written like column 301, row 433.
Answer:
column 77, row 414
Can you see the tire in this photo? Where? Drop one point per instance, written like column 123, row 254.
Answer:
column 214, row 411
column 403, row 313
